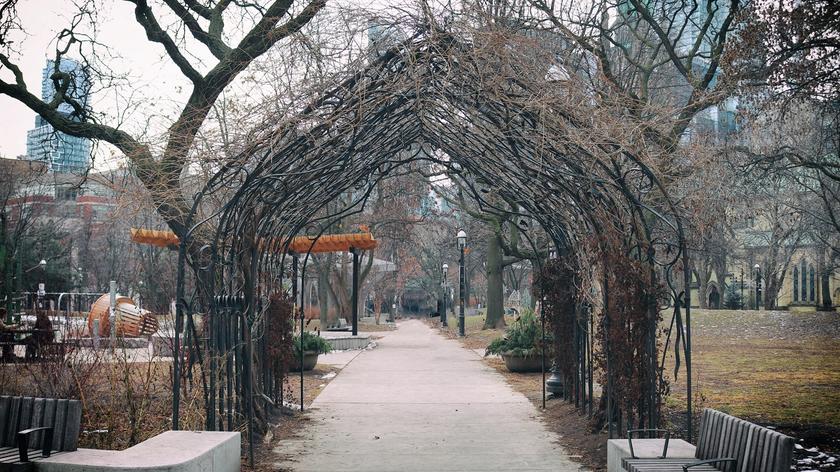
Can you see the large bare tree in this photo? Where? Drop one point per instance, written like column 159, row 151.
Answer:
column 193, row 29
column 662, row 62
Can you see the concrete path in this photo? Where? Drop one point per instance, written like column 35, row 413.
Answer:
column 419, row 402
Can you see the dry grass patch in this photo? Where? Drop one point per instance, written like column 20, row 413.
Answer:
column 776, row 368
column 476, row 337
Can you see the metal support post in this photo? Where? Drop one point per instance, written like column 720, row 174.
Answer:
column 443, row 305
column 355, row 297
column 462, row 284
column 112, row 314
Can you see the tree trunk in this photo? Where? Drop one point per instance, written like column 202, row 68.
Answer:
column 771, row 289
column 495, row 286
column 324, row 293
column 827, row 304
column 339, row 289
column 702, row 287
column 825, row 283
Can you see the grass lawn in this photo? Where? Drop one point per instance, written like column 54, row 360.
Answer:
column 772, row 367
column 476, row 336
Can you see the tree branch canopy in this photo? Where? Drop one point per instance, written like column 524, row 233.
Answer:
column 161, row 176
column 144, row 16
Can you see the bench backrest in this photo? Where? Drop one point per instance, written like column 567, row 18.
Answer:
column 756, row 449
column 19, row 413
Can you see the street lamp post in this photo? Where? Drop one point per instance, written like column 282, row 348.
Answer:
column 554, row 384
column 462, row 243
column 42, row 291
column 445, row 294
column 757, row 286
column 42, row 264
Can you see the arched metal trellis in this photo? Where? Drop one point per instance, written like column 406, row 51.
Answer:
column 483, row 110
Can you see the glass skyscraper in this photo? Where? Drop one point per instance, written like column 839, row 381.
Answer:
column 62, row 152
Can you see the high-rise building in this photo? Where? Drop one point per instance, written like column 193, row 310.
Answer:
column 61, row 152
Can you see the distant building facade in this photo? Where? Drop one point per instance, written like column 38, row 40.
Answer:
column 61, row 152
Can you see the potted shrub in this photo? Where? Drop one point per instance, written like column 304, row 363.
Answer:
column 520, row 347
column 311, row 346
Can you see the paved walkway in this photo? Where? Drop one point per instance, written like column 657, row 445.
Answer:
column 419, row 402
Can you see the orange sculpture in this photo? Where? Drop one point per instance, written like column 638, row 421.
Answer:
column 131, row 320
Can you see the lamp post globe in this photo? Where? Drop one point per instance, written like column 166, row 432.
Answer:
column 42, row 291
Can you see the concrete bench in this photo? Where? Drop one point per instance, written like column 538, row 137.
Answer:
column 172, row 451
column 725, row 443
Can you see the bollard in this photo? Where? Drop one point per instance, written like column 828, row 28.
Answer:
column 95, row 334
column 112, row 315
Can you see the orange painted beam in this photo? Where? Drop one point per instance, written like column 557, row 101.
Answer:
column 154, row 237
column 333, row 243
column 299, row 244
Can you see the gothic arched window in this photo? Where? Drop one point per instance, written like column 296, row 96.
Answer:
column 795, row 283
column 812, row 280
column 804, row 286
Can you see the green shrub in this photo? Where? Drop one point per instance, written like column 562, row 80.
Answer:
column 734, row 300
column 311, row 342
column 522, row 338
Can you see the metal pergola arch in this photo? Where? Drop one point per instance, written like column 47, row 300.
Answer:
column 501, row 134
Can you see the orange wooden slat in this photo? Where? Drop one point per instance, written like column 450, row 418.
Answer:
column 299, row 244
column 154, row 237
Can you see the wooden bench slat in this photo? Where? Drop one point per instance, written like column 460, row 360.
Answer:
column 726, row 432
column 767, row 458
column 71, row 430
column 60, row 423
column 25, row 415
column 9, row 438
column 653, row 460
column 37, row 421
column 743, row 440
column 785, row 454
column 755, row 454
column 633, row 464
column 49, row 418
column 707, row 429
column 7, row 452
column 717, row 425
column 5, row 415
column 666, row 466
column 769, row 451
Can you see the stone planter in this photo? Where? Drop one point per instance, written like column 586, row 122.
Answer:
column 310, row 358
column 515, row 363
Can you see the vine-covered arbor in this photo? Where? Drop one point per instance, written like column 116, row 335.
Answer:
column 499, row 113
